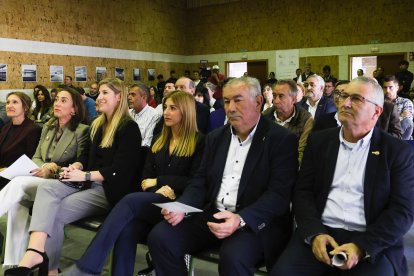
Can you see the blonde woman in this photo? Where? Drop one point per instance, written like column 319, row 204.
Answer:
column 113, row 169
column 173, row 159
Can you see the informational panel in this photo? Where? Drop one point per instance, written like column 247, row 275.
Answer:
column 287, row 61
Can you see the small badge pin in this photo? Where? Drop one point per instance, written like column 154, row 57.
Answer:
column 376, row 152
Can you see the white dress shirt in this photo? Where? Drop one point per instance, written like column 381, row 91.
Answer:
column 312, row 109
column 146, row 119
column 236, row 158
column 345, row 204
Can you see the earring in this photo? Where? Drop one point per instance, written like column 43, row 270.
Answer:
column 73, row 113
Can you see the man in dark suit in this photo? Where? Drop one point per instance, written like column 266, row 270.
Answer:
column 243, row 185
column 314, row 102
column 354, row 194
column 202, row 111
column 307, row 72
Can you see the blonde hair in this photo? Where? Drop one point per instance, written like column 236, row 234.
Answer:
column 187, row 131
column 120, row 113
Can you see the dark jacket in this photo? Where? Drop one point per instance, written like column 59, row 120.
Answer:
column 263, row 198
column 24, row 140
column 174, row 171
column 388, row 192
column 325, row 105
column 120, row 165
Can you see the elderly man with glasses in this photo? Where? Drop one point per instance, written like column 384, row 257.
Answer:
column 353, row 199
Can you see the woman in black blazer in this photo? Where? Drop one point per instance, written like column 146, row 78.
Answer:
column 20, row 135
column 171, row 162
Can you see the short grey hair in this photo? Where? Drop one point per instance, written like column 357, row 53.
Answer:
column 377, row 92
column 143, row 89
column 293, row 88
column 252, row 84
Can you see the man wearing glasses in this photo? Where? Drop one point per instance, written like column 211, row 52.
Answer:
column 354, row 194
column 314, row 102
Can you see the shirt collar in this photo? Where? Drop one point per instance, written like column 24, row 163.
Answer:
column 141, row 112
column 316, row 104
column 360, row 144
column 288, row 120
column 249, row 137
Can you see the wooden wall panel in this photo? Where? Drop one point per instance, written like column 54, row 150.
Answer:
column 15, row 60
column 153, row 26
column 319, row 62
column 284, row 24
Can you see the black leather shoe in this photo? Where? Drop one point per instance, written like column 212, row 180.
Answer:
column 43, row 267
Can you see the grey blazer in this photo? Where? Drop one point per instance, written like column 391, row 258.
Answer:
column 73, row 145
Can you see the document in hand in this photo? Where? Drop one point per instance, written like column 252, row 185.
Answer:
column 178, row 207
column 21, row 167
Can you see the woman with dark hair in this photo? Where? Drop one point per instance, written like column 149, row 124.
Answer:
column 201, row 96
column 43, row 110
column 20, row 135
column 152, row 91
column 172, row 160
column 63, row 141
column 113, row 171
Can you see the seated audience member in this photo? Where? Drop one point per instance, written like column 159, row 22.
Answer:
column 379, row 75
column 112, row 172
column 3, row 115
column 353, row 195
column 404, row 106
column 314, row 102
column 360, row 73
column 89, row 105
column 198, row 83
column 404, row 77
column 389, row 119
column 44, row 107
column 298, row 78
column 329, row 88
column 168, row 87
column 301, row 92
column 307, row 72
column 326, row 71
column 160, row 88
column 213, row 103
column 243, row 184
column 272, row 78
column 267, row 96
column 201, row 96
column 145, row 116
column 286, row 113
column 151, row 99
column 172, row 161
column 53, row 93
column 20, row 135
column 68, row 81
column 64, row 141
column 172, row 77
column 217, row 79
column 93, row 91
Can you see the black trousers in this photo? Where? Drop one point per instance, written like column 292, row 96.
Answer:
column 298, row 259
column 239, row 254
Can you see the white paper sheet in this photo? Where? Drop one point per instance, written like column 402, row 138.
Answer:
column 20, row 167
column 178, row 207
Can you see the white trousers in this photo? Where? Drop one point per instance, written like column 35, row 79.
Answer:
column 21, row 188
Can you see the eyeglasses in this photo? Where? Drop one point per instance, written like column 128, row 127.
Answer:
column 354, row 98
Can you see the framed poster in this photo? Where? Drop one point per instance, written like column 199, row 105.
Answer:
column 3, row 72
column 119, row 73
column 56, row 73
column 136, row 74
column 151, row 74
column 100, row 73
column 29, row 73
column 80, row 73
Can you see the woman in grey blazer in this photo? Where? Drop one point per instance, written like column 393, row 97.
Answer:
column 64, row 140
column 114, row 169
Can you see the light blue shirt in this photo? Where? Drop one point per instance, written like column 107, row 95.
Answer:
column 345, row 204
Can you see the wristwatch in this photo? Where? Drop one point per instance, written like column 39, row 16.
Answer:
column 88, row 176
column 242, row 222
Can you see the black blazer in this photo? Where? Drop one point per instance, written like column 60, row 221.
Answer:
column 174, row 171
column 120, row 165
column 388, row 192
column 263, row 198
column 23, row 141
column 325, row 105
